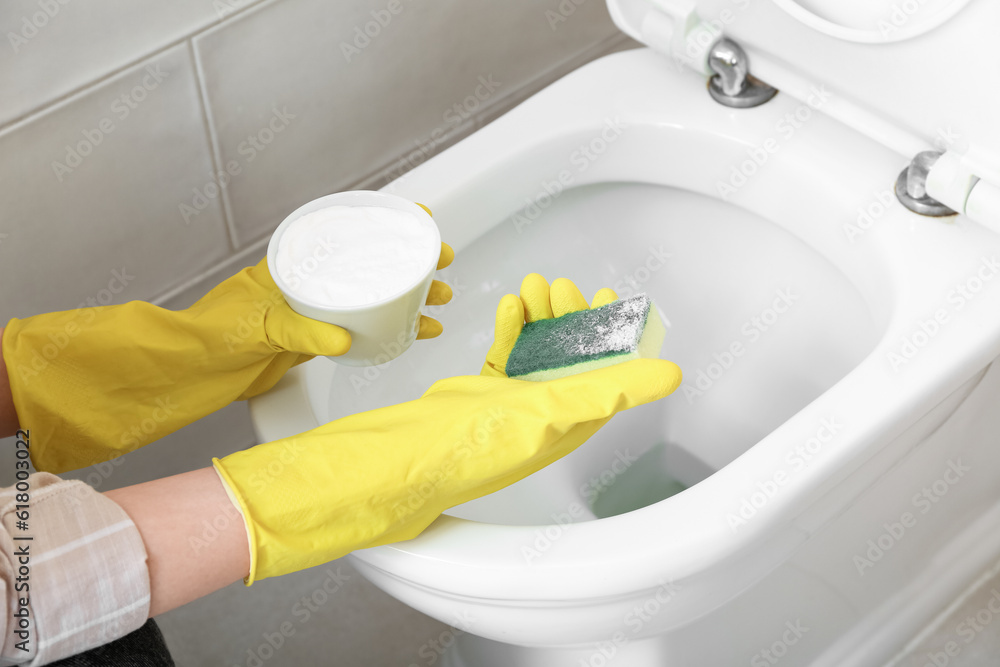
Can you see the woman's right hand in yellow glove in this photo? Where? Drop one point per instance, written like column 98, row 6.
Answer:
column 94, row 383
column 383, row 476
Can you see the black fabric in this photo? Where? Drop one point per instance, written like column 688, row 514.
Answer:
column 143, row 648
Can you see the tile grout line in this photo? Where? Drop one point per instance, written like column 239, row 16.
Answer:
column 215, row 151
column 71, row 95
column 548, row 77
column 221, row 270
column 386, row 173
column 376, row 177
column 84, row 90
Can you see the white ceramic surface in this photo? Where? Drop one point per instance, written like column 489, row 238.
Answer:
column 380, row 331
column 798, row 450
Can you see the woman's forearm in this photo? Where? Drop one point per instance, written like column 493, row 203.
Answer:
column 195, row 538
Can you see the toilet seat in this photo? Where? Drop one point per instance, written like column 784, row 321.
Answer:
column 904, row 266
column 886, row 29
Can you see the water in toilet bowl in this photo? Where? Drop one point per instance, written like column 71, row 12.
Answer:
column 640, row 483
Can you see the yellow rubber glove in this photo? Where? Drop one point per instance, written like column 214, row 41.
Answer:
column 538, row 301
column 383, row 476
column 94, row 383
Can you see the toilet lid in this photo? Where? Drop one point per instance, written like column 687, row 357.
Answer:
column 872, row 21
column 927, row 67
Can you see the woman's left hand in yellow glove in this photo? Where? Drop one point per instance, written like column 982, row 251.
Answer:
column 538, row 301
column 94, row 383
column 383, row 476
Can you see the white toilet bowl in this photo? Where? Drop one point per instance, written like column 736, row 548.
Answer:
column 825, row 480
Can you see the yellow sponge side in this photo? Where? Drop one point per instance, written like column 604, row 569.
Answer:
column 651, row 341
column 563, row 371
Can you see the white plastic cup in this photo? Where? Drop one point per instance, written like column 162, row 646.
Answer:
column 381, row 330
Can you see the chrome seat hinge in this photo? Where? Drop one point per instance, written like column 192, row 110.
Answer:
column 675, row 29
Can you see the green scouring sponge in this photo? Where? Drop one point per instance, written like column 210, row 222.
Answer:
column 587, row 339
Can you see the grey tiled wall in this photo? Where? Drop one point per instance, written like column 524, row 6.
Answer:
column 167, row 140
column 117, row 118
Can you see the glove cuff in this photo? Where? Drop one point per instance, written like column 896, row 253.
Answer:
column 238, row 503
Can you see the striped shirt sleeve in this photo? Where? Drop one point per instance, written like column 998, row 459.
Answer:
column 73, row 575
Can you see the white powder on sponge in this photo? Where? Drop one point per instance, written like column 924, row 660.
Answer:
column 343, row 256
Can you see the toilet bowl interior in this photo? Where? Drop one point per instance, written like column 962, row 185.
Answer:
column 760, row 323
